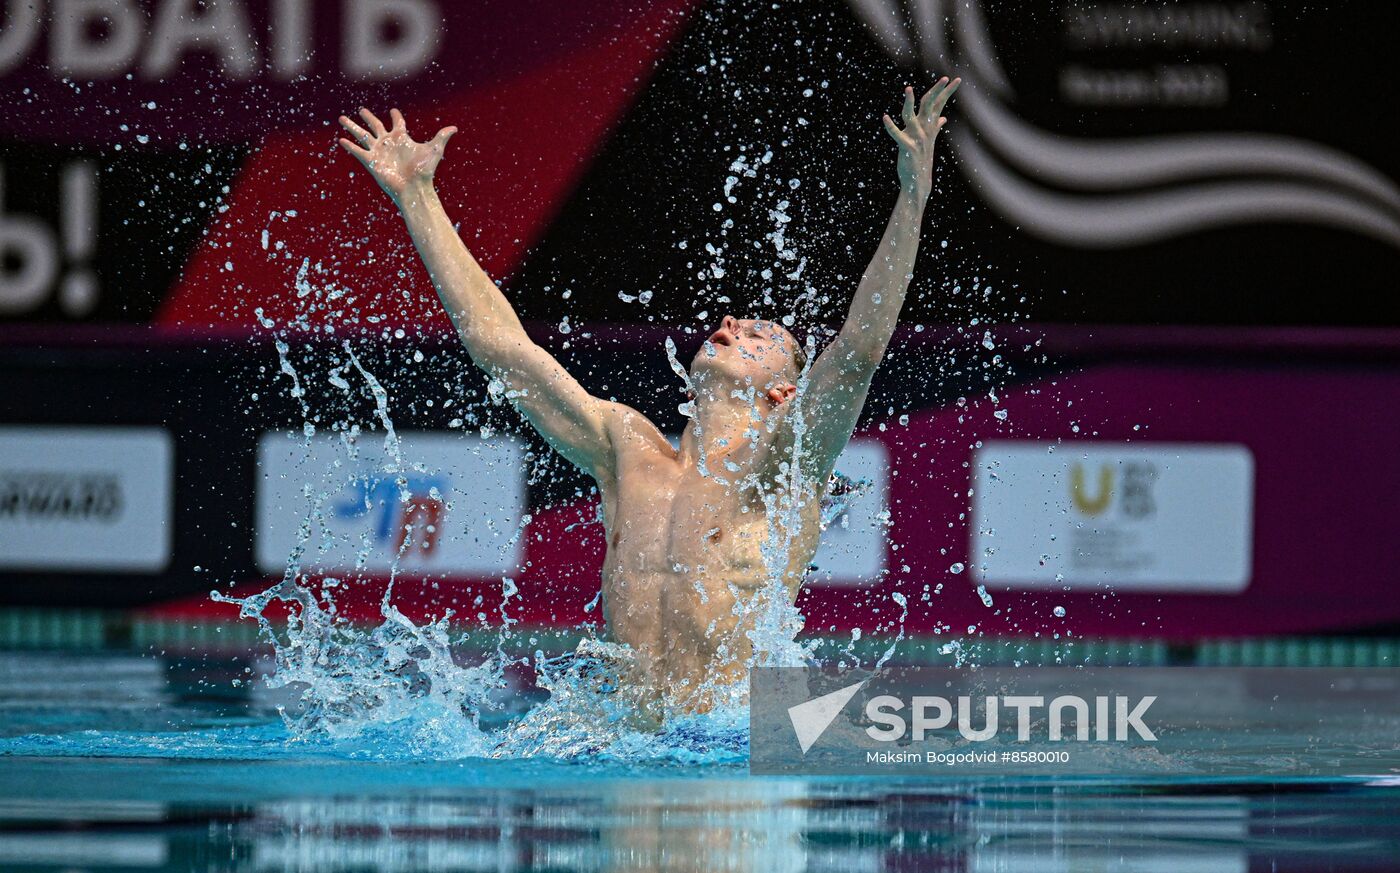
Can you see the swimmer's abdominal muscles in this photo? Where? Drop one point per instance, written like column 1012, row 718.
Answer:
column 401, row 166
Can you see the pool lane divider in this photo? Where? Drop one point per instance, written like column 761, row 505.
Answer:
column 95, row 629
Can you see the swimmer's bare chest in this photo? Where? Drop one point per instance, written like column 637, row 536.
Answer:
column 683, row 548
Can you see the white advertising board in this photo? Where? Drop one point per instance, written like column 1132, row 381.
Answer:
column 447, row 502
column 1138, row 516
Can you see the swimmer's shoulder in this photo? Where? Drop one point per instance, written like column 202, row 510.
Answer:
column 631, row 431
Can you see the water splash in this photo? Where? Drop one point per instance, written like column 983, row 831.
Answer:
column 397, row 683
column 777, row 620
column 398, row 690
column 688, row 409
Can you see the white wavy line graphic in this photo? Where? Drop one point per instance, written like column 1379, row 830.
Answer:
column 972, row 32
column 1368, row 204
column 886, row 21
column 1099, row 222
column 1137, row 162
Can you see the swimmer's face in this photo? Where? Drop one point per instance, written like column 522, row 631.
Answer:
column 750, row 351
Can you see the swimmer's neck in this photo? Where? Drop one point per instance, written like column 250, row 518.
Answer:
column 722, row 429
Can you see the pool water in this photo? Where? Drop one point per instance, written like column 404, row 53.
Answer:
column 123, row 762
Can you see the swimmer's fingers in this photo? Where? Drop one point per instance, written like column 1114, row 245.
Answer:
column 947, row 95
column 899, row 136
column 359, row 133
column 941, row 99
column 440, row 141
column 361, row 154
column 396, row 121
column 908, row 113
column 926, row 102
column 373, row 121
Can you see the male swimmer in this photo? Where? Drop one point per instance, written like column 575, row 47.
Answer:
column 686, row 528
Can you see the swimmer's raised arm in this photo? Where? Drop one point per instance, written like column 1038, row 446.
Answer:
column 840, row 376
column 573, row 421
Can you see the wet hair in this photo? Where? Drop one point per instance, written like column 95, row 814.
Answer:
column 799, row 354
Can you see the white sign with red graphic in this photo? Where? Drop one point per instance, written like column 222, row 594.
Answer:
column 1131, row 516
column 439, row 502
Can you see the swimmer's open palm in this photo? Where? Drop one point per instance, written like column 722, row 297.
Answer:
column 391, row 156
column 920, row 131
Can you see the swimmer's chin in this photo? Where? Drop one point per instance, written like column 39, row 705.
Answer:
column 708, row 368
column 715, row 381
column 716, row 364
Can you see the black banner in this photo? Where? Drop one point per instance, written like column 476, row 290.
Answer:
column 1122, row 162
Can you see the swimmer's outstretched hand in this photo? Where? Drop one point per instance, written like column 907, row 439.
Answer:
column 917, row 138
column 395, row 161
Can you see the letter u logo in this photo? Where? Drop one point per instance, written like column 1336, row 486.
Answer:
column 1083, row 502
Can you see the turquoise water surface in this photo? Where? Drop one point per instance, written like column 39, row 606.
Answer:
column 122, row 762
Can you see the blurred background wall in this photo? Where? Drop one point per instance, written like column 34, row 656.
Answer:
column 1143, row 388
